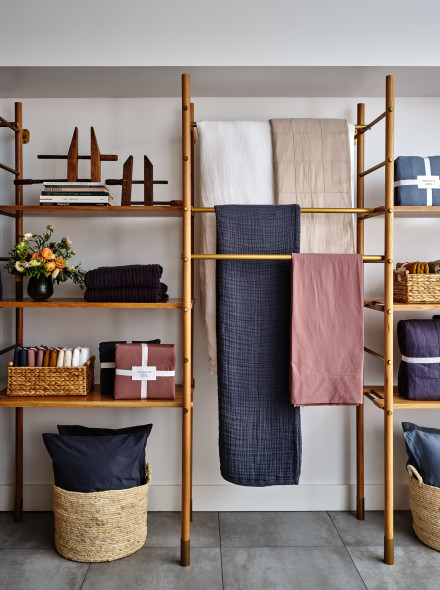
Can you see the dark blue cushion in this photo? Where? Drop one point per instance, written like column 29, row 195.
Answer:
column 76, row 430
column 423, row 448
column 96, row 463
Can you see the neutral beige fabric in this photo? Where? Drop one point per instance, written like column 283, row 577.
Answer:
column 312, row 168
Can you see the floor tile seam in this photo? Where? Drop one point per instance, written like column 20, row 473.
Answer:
column 220, row 547
column 85, row 576
column 347, row 551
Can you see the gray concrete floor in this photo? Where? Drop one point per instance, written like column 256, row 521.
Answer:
column 229, row 551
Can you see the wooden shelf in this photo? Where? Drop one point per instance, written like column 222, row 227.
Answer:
column 375, row 393
column 90, row 211
column 379, row 306
column 78, row 302
column 95, row 399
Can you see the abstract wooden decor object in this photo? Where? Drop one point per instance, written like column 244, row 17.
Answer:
column 148, row 182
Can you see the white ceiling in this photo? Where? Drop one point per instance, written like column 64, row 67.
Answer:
column 133, row 82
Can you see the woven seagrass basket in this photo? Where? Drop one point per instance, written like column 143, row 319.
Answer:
column 101, row 526
column 411, row 288
column 48, row 381
column 425, row 508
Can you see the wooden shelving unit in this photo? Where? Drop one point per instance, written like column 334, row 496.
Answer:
column 376, row 394
column 184, row 392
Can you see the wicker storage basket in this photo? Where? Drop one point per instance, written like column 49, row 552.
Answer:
column 425, row 508
column 101, row 526
column 42, row 381
column 410, row 288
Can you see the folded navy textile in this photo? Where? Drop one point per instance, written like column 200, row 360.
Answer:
column 107, row 354
column 23, row 357
column 133, row 275
column 419, row 370
column 259, row 429
column 406, row 184
column 128, row 294
column 423, row 448
column 17, row 352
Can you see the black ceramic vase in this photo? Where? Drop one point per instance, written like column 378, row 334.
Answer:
column 40, row 288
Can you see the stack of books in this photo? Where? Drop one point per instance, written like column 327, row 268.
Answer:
column 75, row 193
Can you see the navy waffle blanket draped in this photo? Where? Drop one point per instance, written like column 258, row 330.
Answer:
column 259, row 429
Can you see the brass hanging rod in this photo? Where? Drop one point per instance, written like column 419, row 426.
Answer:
column 303, row 210
column 367, row 258
column 363, row 128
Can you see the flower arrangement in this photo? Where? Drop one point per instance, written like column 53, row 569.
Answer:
column 37, row 256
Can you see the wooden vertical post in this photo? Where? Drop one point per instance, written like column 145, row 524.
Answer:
column 72, row 158
column 186, row 418
column 19, row 314
column 127, row 178
column 95, row 158
column 388, row 321
column 193, row 140
column 360, row 492
column 148, row 182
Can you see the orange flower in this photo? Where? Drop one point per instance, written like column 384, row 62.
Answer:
column 59, row 262
column 50, row 266
column 46, row 253
column 37, row 256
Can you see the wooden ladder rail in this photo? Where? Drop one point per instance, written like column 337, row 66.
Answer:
column 187, row 321
column 17, row 128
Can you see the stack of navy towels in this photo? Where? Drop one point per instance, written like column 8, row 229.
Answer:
column 135, row 283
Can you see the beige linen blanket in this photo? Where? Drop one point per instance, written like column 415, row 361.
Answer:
column 312, row 168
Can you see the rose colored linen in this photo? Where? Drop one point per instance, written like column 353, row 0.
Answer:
column 327, row 329
column 161, row 356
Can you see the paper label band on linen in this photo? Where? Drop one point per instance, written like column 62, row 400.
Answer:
column 428, row 182
column 424, row 360
column 143, row 373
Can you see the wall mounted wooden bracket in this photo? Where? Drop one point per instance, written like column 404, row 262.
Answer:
column 148, row 182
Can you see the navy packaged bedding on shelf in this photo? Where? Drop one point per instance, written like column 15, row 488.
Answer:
column 416, row 181
column 419, row 371
column 107, row 354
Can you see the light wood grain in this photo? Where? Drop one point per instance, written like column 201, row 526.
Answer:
column 380, row 306
column 94, row 399
column 72, row 158
column 78, row 302
column 94, row 211
column 399, row 403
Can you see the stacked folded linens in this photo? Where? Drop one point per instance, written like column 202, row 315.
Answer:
column 135, row 283
column 416, row 181
column 419, row 371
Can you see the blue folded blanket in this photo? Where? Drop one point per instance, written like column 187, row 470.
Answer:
column 259, row 429
column 406, row 185
column 419, row 371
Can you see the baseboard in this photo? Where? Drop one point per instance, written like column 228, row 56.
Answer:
column 236, row 498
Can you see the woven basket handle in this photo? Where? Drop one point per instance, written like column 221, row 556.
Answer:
column 412, row 471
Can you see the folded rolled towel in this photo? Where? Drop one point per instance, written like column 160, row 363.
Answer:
column 24, row 357
column 67, row 362
column 60, row 357
column 434, row 266
column 40, row 355
column 133, row 275
column 17, row 357
column 84, row 355
column 32, row 356
column 128, row 294
column 46, row 358
column 414, row 268
column 53, row 357
column 75, row 356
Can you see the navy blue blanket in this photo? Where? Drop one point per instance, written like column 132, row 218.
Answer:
column 406, row 170
column 259, row 429
column 419, row 339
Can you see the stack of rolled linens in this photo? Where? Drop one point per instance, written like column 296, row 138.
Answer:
column 420, row 268
column 136, row 283
column 47, row 356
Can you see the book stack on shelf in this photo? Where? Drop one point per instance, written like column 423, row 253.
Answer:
column 75, row 193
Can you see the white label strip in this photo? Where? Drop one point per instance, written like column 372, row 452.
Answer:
column 428, row 360
column 428, row 190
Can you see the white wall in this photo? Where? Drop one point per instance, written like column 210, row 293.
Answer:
column 152, row 126
column 209, row 32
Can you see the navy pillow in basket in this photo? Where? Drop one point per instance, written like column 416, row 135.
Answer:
column 107, row 352
column 76, row 430
column 423, row 448
column 96, row 463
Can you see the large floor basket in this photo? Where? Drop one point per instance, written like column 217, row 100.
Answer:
column 101, row 526
column 425, row 507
